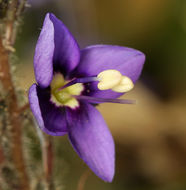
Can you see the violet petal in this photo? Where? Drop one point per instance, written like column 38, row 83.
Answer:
column 67, row 53
column 95, row 59
column 92, row 140
column 43, row 58
column 50, row 118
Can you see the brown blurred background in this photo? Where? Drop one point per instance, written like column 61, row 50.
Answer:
column 150, row 136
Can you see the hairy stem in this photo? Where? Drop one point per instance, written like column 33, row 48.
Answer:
column 1, row 156
column 6, row 43
column 14, row 119
column 82, row 180
column 24, row 108
column 48, row 165
column 47, row 158
column 10, row 22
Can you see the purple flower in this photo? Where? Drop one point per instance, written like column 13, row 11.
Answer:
column 71, row 82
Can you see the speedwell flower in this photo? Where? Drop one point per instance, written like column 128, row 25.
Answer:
column 71, row 82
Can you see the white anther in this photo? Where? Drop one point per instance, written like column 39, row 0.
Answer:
column 125, row 85
column 109, row 79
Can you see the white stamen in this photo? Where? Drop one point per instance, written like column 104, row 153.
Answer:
column 125, row 85
column 109, row 79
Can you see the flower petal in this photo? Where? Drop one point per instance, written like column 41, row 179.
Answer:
column 49, row 118
column 95, row 59
column 43, row 58
column 55, row 47
column 92, row 140
column 67, row 53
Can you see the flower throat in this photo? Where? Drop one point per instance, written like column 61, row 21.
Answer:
column 67, row 93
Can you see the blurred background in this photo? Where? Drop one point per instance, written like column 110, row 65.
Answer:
column 150, row 137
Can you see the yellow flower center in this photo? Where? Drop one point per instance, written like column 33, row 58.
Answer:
column 64, row 97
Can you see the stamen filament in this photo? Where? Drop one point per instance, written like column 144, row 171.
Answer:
column 79, row 80
column 101, row 100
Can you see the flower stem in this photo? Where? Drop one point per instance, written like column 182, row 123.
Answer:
column 1, row 156
column 48, row 161
column 10, row 22
column 47, row 158
column 13, row 117
column 14, row 120
column 24, row 108
column 82, row 180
